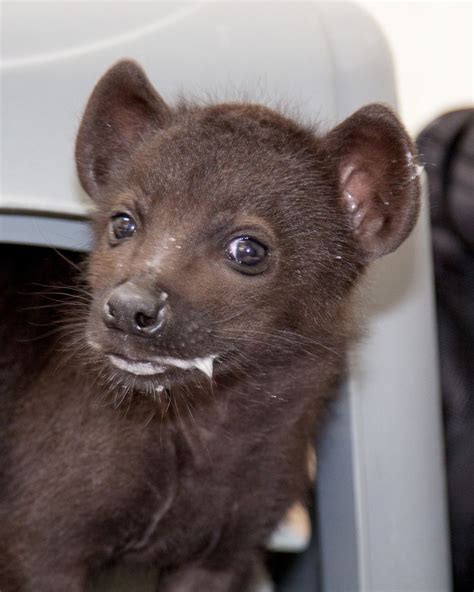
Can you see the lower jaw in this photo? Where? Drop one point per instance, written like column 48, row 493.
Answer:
column 158, row 383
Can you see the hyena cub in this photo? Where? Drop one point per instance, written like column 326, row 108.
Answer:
column 170, row 425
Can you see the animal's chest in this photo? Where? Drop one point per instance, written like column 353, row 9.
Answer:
column 150, row 490
column 217, row 496
column 188, row 513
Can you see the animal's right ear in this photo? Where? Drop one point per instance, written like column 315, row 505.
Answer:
column 122, row 111
column 379, row 178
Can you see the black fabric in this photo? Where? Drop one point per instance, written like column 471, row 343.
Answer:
column 447, row 149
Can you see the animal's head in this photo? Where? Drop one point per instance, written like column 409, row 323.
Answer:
column 229, row 233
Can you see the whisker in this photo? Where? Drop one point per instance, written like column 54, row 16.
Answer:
column 58, row 305
column 63, row 256
column 229, row 318
column 282, row 336
column 50, row 293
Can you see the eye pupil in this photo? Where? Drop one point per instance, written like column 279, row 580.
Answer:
column 246, row 251
column 123, row 226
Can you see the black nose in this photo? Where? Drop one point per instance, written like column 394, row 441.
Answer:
column 134, row 309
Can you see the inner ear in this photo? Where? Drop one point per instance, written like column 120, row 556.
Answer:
column 123, row 110
column 379, row 185
column 368, row 210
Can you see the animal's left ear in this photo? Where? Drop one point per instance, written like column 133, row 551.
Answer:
column 379, row 184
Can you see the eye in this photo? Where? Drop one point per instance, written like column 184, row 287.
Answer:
column 248, row 253
column 122, row 226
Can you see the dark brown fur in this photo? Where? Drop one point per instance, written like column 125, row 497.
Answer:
column 97, row 465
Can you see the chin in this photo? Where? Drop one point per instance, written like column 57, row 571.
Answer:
column 151, row 373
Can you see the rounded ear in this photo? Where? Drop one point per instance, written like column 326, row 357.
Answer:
column 122, row 110
column 379, row 178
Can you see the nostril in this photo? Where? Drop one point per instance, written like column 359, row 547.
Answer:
column 109, row 310
column 149, row 322
column 109, row 315
column 143, row 321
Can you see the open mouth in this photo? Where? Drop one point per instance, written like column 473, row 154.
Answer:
column 161, row 364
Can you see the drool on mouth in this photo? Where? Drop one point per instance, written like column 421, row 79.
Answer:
column 159, row 364
column 139, row 368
